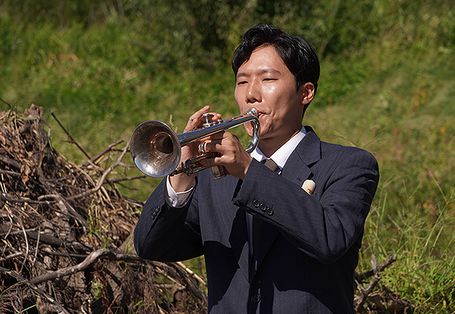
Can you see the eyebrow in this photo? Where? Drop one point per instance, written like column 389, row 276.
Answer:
column 260, row 72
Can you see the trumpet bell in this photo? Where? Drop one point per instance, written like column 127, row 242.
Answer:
column 155, row 148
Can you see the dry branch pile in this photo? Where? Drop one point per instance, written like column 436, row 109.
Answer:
column 64, row 233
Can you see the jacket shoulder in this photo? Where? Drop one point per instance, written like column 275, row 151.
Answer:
column 356, row 154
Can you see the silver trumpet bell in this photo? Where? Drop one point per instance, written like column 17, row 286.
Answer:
column 156, row 148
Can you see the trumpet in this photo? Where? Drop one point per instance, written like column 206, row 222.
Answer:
column 156, row 148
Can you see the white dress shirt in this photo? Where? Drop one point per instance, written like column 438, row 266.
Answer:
column 282, row 154
column 179, row 199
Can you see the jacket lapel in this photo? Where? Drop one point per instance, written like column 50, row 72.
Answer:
column 297, row 169
column 308, row 152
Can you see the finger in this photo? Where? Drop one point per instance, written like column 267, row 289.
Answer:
column 200, row 112
column 222, row 143
column 210, row 146
column 229, row 140
column 217, row 136
column 219, row 161
column 195, row 119
column 215, row 115
column 227, row 134
column 210, row 118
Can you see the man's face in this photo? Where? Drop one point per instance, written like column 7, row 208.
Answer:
column 265, row 83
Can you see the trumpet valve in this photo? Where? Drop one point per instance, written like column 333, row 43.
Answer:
column 208, row 120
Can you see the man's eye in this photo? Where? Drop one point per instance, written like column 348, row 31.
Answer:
column 269, row 79
column 241, row 82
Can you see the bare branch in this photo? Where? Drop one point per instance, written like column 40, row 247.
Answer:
column 367, row 274
column 105, row 151
column 72, row 140
column 87, row 262
column 103, row 177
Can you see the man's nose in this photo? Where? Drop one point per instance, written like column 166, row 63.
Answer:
column 253, row 93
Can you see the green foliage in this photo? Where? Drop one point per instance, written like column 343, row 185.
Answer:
column 387, row 84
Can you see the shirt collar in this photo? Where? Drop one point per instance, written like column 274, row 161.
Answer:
column 282, row 154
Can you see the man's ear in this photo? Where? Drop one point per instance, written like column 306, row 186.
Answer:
column 307, row 91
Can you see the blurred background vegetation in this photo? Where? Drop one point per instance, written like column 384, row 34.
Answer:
column 387, row 85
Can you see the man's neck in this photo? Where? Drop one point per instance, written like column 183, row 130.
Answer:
column 270, row 145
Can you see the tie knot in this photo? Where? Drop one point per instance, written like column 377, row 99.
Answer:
column 269, row 163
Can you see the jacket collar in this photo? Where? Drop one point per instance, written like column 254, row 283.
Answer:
column 309, row 149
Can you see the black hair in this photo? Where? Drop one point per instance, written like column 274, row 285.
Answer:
column 297, row 53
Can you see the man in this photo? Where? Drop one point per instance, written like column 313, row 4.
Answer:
column 282, row 240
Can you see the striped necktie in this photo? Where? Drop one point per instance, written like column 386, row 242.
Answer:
column 269, row 163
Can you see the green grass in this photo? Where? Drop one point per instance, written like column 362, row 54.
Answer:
column 391, row 93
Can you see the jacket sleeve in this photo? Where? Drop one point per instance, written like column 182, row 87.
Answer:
column 165, row 233
column 325, row 225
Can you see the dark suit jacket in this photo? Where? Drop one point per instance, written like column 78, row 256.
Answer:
column 305, row 246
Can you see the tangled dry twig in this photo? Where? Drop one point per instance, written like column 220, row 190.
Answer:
column 62, row 230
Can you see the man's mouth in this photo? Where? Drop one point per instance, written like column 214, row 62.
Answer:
column 261, row 114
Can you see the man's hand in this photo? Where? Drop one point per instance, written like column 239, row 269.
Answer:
column 232, row 154
column 183, row 182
